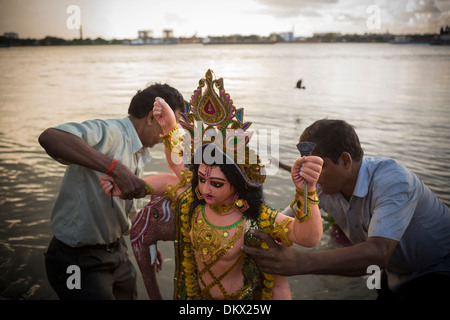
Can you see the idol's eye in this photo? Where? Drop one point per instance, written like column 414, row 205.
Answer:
column 201, row 180
column 216, row 184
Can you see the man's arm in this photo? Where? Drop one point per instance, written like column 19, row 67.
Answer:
column 349, row 261
column 70, row 148
column 167, row 120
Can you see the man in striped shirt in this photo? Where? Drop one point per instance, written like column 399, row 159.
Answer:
column 88, row 226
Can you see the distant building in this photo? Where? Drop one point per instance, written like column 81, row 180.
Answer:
column 445, row 33
column 443, row 38
column 145, row 34
column 167, row 34
column 11, row 35
column 287, row 36
column 145, row 37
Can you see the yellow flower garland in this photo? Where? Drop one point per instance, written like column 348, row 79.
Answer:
column 188, row 261
column 276, row 230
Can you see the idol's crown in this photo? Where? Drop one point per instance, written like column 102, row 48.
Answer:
column 211, row 117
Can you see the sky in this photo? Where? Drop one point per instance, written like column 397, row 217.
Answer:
column 121, row 19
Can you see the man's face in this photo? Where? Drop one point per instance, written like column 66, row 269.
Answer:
column 153, row 132
column 333, row 176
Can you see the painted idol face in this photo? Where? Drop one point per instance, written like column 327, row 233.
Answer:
column 214, row 186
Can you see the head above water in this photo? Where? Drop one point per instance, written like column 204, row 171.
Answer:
column 332, row 138
column 142, row 102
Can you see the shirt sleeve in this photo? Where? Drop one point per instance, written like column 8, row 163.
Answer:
column 99, row 134
column 94, row 132
column 394, row 199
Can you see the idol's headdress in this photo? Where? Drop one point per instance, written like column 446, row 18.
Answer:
column 211, row 118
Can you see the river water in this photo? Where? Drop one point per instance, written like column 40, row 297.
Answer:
column 396, row 96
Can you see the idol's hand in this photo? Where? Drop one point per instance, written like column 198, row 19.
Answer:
column 108, row 185
column 306, row 168
column 164, row 115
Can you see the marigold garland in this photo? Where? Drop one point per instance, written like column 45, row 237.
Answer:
column 268, row 278
column 188, row 261
column 276, row 230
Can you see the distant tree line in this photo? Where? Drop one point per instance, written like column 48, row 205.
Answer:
column 6, row 40
column 54, row 41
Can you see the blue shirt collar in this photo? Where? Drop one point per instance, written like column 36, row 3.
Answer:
column 362, row 182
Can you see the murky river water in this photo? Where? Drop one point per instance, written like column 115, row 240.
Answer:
column 397, row 97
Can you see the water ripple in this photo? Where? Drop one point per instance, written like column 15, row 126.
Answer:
column 396, row 97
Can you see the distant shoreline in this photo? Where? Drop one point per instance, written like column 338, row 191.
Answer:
column 6, row 42
column 210, row 44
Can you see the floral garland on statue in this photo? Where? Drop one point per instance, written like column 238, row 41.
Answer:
column 188, row 257
column 278, row 231
column 268, row 278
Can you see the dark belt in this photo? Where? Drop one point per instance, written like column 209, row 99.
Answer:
column 89, row 248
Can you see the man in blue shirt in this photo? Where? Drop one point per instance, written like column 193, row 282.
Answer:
column 392, row 219
column 88, row 226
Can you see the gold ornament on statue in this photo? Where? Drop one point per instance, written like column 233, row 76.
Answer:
column 211, row 117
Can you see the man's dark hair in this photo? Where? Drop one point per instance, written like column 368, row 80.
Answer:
column 332, row 138
column 142, row 102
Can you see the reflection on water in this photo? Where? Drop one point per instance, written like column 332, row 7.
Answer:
column 397, row 97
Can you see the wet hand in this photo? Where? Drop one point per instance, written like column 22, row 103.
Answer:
column 306, row 168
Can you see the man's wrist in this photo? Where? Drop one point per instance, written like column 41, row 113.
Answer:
column 305, row 263
column 111, row 167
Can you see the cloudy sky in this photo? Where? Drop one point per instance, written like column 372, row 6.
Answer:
column 123, row 18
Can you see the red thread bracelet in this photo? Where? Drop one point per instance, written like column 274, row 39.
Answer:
column 111, row 167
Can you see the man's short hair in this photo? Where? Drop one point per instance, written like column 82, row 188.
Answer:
column 142, row 102
column 332, row 138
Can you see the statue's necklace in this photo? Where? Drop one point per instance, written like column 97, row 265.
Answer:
column 221, row 208
column 212, row 242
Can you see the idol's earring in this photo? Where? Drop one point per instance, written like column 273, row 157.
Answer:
column 198, row 193
column 239, row 204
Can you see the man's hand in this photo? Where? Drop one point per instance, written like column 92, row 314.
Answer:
column 306, row 168
column 129, row 185
column 164, row 115
column 72, row 149
column 348, row 261
column 278, row 259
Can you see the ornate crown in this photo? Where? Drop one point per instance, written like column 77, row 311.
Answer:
column 211, row 117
